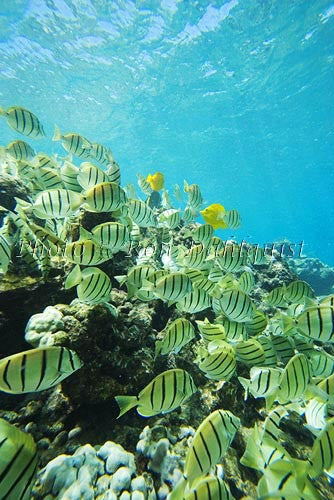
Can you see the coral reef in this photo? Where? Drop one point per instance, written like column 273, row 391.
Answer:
column 105, row 473
column 319, row 275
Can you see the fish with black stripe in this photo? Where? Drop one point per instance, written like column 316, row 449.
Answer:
column 195, row 199
column 295, row 379
column 141, row 214
column 112, row 235
column 73, row 143
column 5, row 252
column 211, row 331
column 100, row 153
column 297, row 291
column 263, row 382
column 104, row 197
column 86, row 253
column 18, row 464
column 20, row 150
column 173, row 287
column 211, row 441
column 250, row 352
column 316, row 322
column 237, row 306
column 209, row 488
column 176, row 335
column 232, row 219
column 24, row 121
column 37, row 369
column 219, row 362
column 163, row 394
column 194, row 301
column 89, row 175
column 56, row 203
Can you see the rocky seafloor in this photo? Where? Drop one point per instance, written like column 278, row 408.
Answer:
column 85, row 451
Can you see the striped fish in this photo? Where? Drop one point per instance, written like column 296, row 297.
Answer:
column 195, row 199
column 216, row 245
column 89, row 175
column 250, row 352
column 237, row 306
column 269, row 351
column 327, row 386
column 296, row 292
column 234, row 330
column 163, row 394
column 215, row 274
column 95, row 286
column 135, row 277
column 322, row 364
column 86, row 253
column 303, row 345
column 208, row 286
column 316, row 414
column 171, row 288
column 176, row 335
column 195, row 301
column 100, row 153
column 322, row 454
column 69, row 174
column 44, row 160
column 37, row 369
column 56, row 203
column 295, row 378
column 114, row 173
column 246, row 282
column 262, row 383
column 203, row 234
column 25, row 170
column 276, row 297
column 144, row 184
column 141, row 214
column 209, row 488
column 20, row 150
column 44, row 259
column 18, row 464
column 232, row 258
column 146, row 295
column 257, row 324
column 27, row 254
column 195, row 257
column 170, row 218
column 256, row 256
column 5, row 253
column 317, row 322
column 24, row 121
column 105, row 197
column 211, row 441
column 284, row 347
column 220, row 364
column 48, row 178
column 112, row 235
column 211, row 331
column 232, row 218
column 188, row 215
column 73, row 143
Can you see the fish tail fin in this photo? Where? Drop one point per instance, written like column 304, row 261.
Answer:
column 3, row 112
column 245, row 384
column 125, row 403
column 147, row 286
column 185, row 186
column 57, row 134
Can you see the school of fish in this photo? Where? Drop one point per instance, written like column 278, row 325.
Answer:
column 286, row 352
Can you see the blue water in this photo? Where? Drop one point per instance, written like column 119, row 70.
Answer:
column 236, row 96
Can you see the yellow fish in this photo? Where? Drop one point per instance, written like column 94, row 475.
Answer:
column 214, row 215
column 156, row 181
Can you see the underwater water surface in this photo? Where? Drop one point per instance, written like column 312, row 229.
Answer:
column 236, row 96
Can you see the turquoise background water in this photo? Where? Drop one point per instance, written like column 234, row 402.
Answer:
column 235, row 96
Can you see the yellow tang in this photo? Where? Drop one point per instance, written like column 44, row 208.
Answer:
column 214, row 215
column 156, row 181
